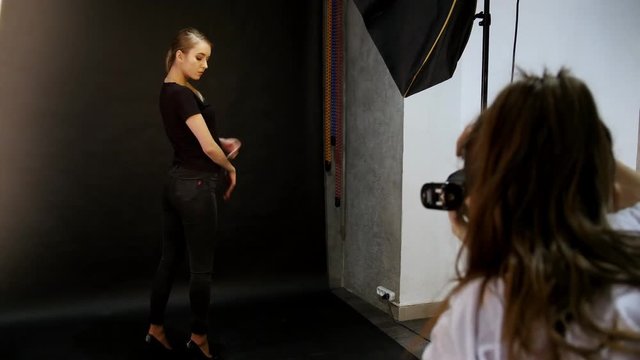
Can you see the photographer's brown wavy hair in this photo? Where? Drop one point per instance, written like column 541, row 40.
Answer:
column 540, row 173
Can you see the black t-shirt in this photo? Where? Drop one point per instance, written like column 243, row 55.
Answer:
column 177, row 104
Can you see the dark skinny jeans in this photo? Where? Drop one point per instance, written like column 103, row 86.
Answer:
column 189, row 222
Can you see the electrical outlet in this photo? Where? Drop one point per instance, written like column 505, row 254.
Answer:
column 385, row 293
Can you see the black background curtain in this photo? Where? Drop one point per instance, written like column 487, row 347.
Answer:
column 83, row 153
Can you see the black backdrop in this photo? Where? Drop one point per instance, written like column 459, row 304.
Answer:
column 83, row 153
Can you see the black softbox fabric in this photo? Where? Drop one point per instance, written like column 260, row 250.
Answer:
column 421, row 41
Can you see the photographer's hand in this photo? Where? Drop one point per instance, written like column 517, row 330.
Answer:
column 463, row 139
column 626, row 187
column 458, row 224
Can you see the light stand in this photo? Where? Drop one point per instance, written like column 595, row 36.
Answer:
column 485, row 23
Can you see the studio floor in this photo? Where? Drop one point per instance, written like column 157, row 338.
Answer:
column 290, row 323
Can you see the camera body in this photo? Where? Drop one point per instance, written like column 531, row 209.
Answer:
column 448, row 195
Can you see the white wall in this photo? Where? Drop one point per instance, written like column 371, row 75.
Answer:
column 596, row 39
column 430, row 131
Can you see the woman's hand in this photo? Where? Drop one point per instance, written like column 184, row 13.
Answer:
column 231, row 173
column 230, row 146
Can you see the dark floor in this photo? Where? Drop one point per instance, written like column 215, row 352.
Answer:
column 312, row 324
column 411, row 334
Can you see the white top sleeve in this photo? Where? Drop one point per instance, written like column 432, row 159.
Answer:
column 626, row 219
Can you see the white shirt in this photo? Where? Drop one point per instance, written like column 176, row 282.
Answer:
column 461, row 334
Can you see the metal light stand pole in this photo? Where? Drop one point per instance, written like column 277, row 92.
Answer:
column 485, row 23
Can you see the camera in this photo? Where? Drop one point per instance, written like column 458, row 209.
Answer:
column 448, row 195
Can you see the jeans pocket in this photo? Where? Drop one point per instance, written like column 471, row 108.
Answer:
column 192, row 199
column 188, row 189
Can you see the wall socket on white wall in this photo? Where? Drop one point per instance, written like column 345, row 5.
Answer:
column 385, row 293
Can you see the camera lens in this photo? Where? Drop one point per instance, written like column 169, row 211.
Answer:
column 444, row 196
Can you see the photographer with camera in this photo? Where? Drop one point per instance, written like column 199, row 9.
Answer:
column 546, row 275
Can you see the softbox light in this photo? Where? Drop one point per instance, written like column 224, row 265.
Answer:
column 420, row 41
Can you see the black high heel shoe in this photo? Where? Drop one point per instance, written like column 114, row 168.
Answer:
column 156, row 349
column 195, row 353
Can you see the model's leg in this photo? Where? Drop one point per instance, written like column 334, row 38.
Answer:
column 199, row 220
column 172, row 251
